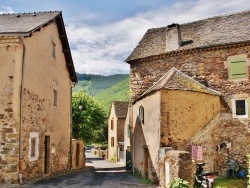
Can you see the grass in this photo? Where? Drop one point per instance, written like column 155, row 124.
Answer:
column 230, row 183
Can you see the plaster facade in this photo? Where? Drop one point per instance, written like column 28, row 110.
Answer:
column 116, row 121
column 35, row 106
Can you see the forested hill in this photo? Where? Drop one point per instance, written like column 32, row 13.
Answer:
column 95, row 84
column 104, row 89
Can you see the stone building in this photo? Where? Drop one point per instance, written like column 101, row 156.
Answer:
column 37, row 74
column 116, row 121
column 208, row 116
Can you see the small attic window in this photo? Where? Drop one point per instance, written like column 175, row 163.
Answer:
column 141, row 115
column 53, row 49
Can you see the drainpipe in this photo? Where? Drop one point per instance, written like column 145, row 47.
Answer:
column 70, row 136
column 20, row 111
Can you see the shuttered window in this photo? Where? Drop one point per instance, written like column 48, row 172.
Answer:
column 238, row 69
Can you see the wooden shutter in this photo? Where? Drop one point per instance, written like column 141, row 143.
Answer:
column 238, row 68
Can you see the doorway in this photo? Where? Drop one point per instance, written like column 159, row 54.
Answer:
column 77, row 154
column 47, row 155
column 146, row 156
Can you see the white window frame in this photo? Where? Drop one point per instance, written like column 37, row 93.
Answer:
column 33, row 135
column 234, row 108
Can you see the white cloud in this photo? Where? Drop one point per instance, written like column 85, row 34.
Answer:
column 6, row 9
column 103, row 49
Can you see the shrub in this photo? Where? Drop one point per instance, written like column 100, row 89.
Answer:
column 178, row 183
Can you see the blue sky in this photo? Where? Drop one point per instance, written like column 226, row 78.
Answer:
column 102, row 33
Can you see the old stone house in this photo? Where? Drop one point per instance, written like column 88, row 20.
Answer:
column 190, row 86
column 37, row 74
column 116, row 121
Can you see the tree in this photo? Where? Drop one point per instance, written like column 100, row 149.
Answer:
column 88, row 123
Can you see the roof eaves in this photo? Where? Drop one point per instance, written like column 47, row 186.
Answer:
column 14, row 34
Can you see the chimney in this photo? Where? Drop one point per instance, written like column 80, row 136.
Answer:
column 173, row 37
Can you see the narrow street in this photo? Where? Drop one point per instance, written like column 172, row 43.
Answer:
column 98, row 173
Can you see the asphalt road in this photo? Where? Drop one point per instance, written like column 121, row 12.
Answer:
column 98, row 173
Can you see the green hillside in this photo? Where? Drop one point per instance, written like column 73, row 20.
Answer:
column 104, row 89
column 119, row 92
column 95, row 84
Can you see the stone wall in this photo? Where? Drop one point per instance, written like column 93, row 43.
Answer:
column 10, row 75
column 179, row 165
column 78, row 154
column 205, row 65
column 209, row 67
column 229, row 130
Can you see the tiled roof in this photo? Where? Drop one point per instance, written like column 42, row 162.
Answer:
column 25, row 23
column 219, row 30
column 176, row 80
column 121, row 109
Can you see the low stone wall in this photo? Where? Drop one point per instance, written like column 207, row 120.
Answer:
column 176, row 164
column 100, row 153
column 78, row 154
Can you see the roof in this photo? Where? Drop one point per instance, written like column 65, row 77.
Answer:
column 26, row 23
column 176, row 80
column 121, row 109
column 215, row 31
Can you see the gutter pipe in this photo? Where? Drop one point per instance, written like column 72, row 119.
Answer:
column 20, row 110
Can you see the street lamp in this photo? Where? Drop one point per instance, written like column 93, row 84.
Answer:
column 80, row 105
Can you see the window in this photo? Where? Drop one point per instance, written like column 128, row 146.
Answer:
column 112, row 142
column 33, row 146
column 112, row 124
column 141, row 115
column 128, row 130
column 53, row 49
column 238, row 69
column 240, row 108
column 55, row 97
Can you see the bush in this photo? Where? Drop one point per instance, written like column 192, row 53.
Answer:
column 178, row 183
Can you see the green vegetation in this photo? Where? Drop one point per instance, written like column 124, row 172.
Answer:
column 88, row 123
column 230, row 183
column 104, row 89
column 95, row 84
column 119, row 92
column 178, row 183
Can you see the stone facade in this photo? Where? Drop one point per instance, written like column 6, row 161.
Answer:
column 207, row 62
column 35, row 115
column 78, row 154
column 176, row 164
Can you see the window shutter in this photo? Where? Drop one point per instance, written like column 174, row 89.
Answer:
column 238, row 69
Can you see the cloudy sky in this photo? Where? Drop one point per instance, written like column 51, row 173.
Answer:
column 102, row 33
